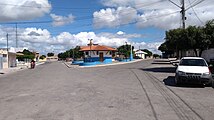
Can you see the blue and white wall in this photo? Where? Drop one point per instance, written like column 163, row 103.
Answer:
column 107, row 56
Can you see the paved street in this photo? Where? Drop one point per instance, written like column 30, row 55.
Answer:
column 137, row 91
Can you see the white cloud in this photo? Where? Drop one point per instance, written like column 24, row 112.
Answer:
column 111, row 17
column 34, row 35
column 120, row 32
column 13, row 10
column 153, row 47
column 41, row 40
column 62, row 20
column 158, row 13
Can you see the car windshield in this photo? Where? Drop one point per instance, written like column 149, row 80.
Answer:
column 193, row 62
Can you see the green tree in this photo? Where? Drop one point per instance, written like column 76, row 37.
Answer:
column 75, row 52
column 125, row 50
column 26, row 55
column 149, row 53
column 209, row 31
column 156, row 55
column 50, row 54
column 42, row 57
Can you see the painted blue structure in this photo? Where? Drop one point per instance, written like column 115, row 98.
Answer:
column 95, row 54
column 97, row 59
column 131, row 57
column 77, row 62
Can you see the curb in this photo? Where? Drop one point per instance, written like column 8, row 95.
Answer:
column 102, row 65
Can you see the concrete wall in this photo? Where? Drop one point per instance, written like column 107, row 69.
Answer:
column 1, row 61
column 12, row 59
column 8, row 58
column 94, row 53
column 140, row 55
column 95, row 56
column 208, row 54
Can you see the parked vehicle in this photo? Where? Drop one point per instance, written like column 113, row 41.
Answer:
column 193, row 70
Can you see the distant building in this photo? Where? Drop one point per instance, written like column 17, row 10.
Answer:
column 97, row 53
column 7, row 58
column 208, row 55
column 141, row 54
column 36, row 56
column 52, row 58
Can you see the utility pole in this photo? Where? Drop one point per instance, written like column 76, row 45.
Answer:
column 183, row 9
column 183, row 14
column 16, row 37
column 7, row 52
column 73, row 53
column 7, row 41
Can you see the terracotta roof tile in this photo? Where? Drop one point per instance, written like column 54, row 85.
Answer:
column 97, row 48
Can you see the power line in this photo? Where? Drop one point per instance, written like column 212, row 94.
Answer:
column 196, row 3
column 148, row 18
column 78, row 19
column 183, row 9
column 28, row 6
column 89, row 17
column 196, row 14
column 66, row 8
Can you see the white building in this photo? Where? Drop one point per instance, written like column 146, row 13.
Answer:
column 140, row 54
column 97, row 53
column 7, row 58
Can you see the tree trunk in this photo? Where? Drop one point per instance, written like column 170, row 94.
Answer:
column 196, row 53
column 200, row 52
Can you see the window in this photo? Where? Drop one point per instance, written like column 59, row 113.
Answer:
column 97, row 52
column 193, row 62
column 86, row 53
column 4, row 55
column 110, row 52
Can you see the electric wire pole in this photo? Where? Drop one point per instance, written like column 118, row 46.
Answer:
column 183, row 14
column 16, row 37
column 183, row 9
column 7, row 41
column 7, row 52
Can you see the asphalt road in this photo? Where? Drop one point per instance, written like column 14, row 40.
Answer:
column 136, row 91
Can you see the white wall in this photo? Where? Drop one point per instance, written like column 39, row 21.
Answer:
column 208, row 54
column 12, row 59
column 9, row 58
column 1, row 61
column 141, row 55
column 94, row 53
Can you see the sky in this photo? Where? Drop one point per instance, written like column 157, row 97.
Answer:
column 59, row 25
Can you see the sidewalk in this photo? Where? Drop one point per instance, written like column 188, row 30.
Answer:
column 16, row 69
column 11, row 70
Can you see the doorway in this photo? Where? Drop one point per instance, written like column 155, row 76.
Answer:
column 101, row 57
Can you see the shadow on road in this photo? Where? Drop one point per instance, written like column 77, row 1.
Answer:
column 161, row 63
column 170, row 81
column 161, row 69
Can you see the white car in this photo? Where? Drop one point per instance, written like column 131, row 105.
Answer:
column 193, row 70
